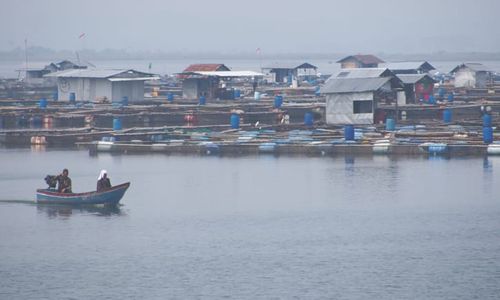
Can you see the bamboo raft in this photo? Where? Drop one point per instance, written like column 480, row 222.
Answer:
column 154, row 126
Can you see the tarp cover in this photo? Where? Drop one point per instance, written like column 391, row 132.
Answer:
column 340, row 109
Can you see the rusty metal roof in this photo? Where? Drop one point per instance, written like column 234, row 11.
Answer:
column 363, row 58
column 206, row 68
column 225, row 73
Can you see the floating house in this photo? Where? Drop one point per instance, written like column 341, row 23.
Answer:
column 33, row 74
column 212, row 84
column 64, row 65
column 210, row 80
column 360, row 61
column 472, row 75
column 410, row 67
column 354, row 100
column 36, row 74
column 101, row 84
column 195, row 85
column 417, row 87
column 288, row 72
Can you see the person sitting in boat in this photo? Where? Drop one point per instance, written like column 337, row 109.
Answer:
column 64, row 182
column 103, row 182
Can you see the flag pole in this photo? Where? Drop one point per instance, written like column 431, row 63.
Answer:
column 82, row 45
column 258, row 50
column 26, row 58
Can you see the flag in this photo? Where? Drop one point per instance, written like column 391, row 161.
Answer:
column 257, row 50
column 81, row 35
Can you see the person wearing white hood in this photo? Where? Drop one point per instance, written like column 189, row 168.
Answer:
column 103, row 182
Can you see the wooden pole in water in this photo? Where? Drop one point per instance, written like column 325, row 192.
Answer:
column 396, row 109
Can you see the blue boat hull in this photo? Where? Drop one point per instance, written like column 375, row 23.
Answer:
column 108, row 197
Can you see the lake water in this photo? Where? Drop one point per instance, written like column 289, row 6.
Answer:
column 259, row 227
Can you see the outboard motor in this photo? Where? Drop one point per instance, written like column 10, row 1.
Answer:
column 51, row 181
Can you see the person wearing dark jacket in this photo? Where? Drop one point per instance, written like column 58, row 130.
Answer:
column 64, row 182
column 103, row 182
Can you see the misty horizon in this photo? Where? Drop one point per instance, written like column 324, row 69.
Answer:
column 42, row 53
column 224, row 26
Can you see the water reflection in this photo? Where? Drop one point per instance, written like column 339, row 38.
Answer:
column 66, row 211
column 390, row 174
column 487, row 165
column 488, row 181
column 435, row 157
column 349, row 164
column 38, row 148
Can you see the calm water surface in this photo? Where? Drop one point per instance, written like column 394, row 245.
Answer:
column 254, row 228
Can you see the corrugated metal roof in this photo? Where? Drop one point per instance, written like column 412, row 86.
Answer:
column 67, row 64
column 363, row 73
column 413, row 78
column 86, row 73
column 363, row 58
column 98, row 73
column 353, row 85
column 409, row 65
column 476, row 67
column 135, row 78
column 206, row 68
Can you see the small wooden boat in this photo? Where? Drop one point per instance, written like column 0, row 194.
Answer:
column 107, row 197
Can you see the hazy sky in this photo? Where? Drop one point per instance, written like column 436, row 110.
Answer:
column 274, row 26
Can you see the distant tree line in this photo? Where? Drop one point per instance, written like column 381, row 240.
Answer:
column 46, row 54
